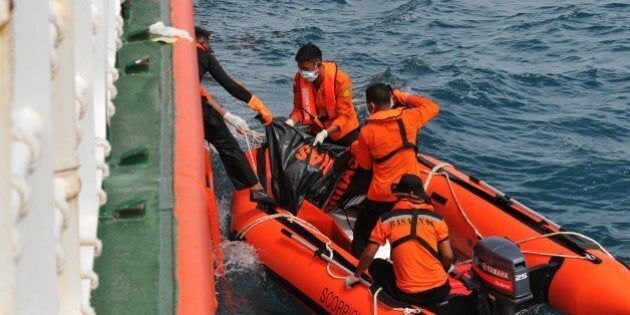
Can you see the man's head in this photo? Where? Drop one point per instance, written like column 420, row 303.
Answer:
column 309, row 60
column 202, row 36
column 410, row 187
column 378, row 96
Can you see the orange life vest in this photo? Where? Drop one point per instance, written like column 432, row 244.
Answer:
column 414, row 231
column 307, row 94
column 330, row 105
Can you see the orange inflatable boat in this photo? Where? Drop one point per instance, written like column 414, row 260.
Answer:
column 510, row 256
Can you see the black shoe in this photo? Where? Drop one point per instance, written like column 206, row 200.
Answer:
column 261, row 197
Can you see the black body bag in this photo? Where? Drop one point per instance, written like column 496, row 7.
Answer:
column 301, row 171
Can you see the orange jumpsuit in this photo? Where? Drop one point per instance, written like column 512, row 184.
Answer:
column 329, row 105
column 382, row 138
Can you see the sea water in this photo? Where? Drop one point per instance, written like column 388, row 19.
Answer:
column 535, row 99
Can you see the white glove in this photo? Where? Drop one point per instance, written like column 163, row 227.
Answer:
column 289, row 122
column 320, row 137
column 238, row 122
column 350, row 281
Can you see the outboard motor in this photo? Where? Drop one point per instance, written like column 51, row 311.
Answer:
column 499, row 268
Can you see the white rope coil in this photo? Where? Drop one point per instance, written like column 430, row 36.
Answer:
column 119, row 25
column 119, row 31
column 56, row 33
column 17, row 248
column 103, row 143
column 61, row 214
column 60, row 258
column 80, row 104
column 56, row 20
column 91, row 276
column 95, row 15
column 54, row 62
column 118, row 44
column 22, row 190
column 111, row 110
column 81, row 90
column 102, row 197
column 104, row 168
column 113, row 91
column 26, row 127
column 112, row 73
column 63, row 208
column 94, row 242
column 61, row 205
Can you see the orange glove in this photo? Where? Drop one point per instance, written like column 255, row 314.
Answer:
column 265, row 114
column 400, row 97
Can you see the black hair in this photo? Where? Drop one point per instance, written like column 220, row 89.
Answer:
column 378, row 93
column 308, row 52
column 201, row 32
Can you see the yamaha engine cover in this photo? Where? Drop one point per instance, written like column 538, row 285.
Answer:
column 499, row 266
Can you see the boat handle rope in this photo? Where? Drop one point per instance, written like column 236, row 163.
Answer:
column 255, row 137
column 436, row 170
column 587, row 256
column 293, row 219
column 300, row 222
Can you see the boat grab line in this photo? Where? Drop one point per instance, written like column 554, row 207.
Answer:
column 436, row 170
column 587, row 256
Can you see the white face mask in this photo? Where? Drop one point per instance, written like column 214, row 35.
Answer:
column 309, row 76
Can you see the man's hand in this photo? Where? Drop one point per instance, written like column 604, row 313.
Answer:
column 320, row 137
column 399, row 96
column 265, row 116
column 350, row 281
column 239, row 123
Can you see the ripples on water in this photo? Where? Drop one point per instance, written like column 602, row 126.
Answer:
column 535, row 95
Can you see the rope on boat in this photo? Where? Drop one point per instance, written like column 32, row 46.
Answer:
column 436, row 170
column 587, row 255
column 404, row 310
column 375, row 299
column 251, row 155
column 313, row 229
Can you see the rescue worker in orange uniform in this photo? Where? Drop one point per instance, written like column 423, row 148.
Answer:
column 215, row 118
column 421, row 253
column 322, row 98
column 387, row 146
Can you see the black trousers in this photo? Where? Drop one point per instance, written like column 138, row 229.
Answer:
column 233, row 158
column 368, row 213
column 382, row 272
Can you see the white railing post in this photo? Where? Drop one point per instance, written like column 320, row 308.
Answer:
column 56, row 86
column 7, row 279
column 67, row 181
column 36, row 290
column 91, row 159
